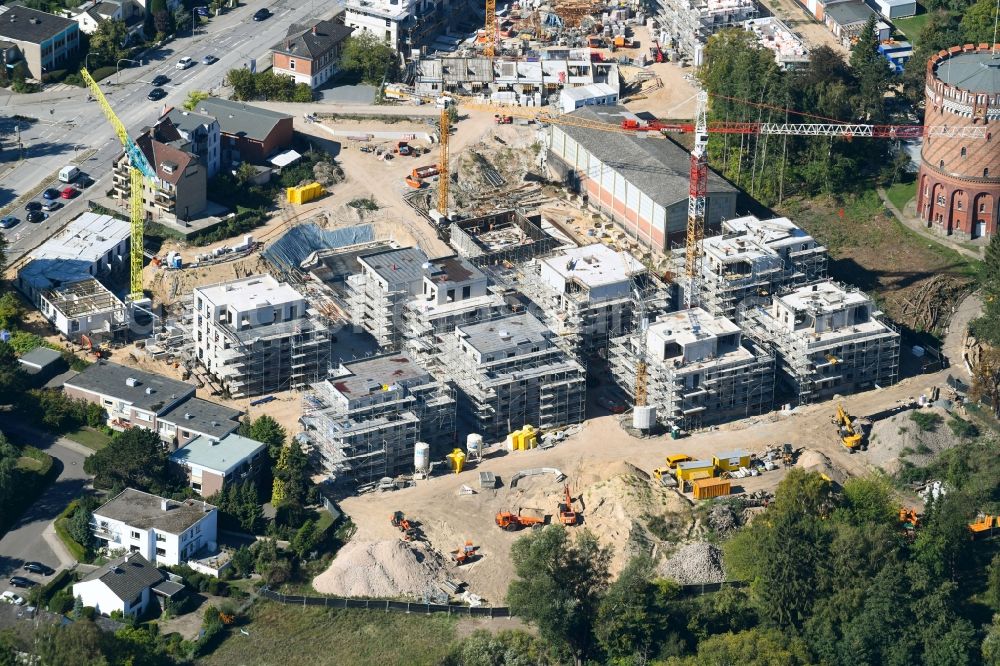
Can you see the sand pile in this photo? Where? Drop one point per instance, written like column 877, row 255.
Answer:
column 698, row 562
column 380, row 569
column 899, row 436
column 814, row 461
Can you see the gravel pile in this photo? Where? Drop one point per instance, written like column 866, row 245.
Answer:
column 379, row 569
column 723, row 518
column 698, row 562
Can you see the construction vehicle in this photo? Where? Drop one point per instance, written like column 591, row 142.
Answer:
column 665, row 475
column 514, row 521
column 97, row 351
column 415, row 183
column 983, row 526
column 567, row 516
column 622, row 42
column 909, row 521
column 403, row 148
column 404, row 525
column 851, row 434
column 501, row 119
column 427, row 171
column 787, row 454
column 465, row 554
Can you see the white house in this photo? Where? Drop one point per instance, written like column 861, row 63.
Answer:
column 161, row 530
column 94, row 12
column 126, row 584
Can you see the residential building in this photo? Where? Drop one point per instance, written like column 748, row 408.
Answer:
column 193, row 132
column 846, row 20
column 751, row 258
column 62, row 277
column 126, row 584
column 249, row 133
column 894, row 9
column 958, row 187
column 515, row 81
column 367, row 418
column 406, row 25
column 92, row 13
column 594, row 94
column 163, row 531
column 501, row 236
column 587, row 294
column 135, row 398
column 789, row 51
column 257, row 335
column 699, row 370
column 378, row 294
column 212, row 464
column 692, row 22
column 510, row 373
column 310, row 53
column 179, row 191
column 642, row 183
column 47, row 42
column 828, row 340
column 42, row 363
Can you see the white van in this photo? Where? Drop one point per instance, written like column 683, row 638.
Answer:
column 68, row 174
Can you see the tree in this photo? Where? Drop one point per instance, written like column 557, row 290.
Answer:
column 250, row 512
column 872, row 71
column 369, row 58
column 630, row 616
column 505, row 648
column 11, row 311
column 107, row 42
column 978, row 22
column 992, row 595
column 869, row 500
column 291, row 481
column 991, row 644
column 78, row 527
column 305, row 540
column 756, row 647
column 943, row 542
column 266, row 430
column 134, row 459
column 303, row 93
column 558, row 586
column 13, row 381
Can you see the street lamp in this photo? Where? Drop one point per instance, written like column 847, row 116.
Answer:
column 118, row 68
column 86, row 61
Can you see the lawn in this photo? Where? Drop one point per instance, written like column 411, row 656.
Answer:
column 912, row 26
column 901, row 193
column 317, row 636
column 92, row 439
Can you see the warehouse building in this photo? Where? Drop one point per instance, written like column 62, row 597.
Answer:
column 641, row 182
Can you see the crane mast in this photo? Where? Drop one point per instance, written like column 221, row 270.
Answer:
column 697, row 189
column 641, row 380
column 489, row 48
column 443, row 167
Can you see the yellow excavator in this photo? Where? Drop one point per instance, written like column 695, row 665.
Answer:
column 851, row 433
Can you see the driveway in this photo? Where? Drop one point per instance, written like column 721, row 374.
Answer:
column 33, row 537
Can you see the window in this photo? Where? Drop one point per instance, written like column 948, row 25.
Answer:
column 964, row 152
column 134, row 534
column 986, row 172
column 388, row 24
column 466, row 291
column 982, row 207
column 958, row 205
column 161, row 537
column 941, row 164
column 195, row 486
column 291, row 65
column 162, row 552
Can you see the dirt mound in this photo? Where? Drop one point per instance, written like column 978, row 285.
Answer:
column 900, row 437
column 814, row 461
column 698, row 562
column 380, row 569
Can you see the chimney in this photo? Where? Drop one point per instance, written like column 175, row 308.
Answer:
column 164, row 504
column 314, row 30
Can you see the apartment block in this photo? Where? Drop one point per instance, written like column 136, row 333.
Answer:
column 366, row 419
column 212, row 464
column 378, row 294
column 406, row 25
column 177, row 194
column 692, row 22
column 258, row 335
column 511, row 373
column 827, row 338
column 310, row 54
column 700, row 371
column 193, row 132
column 753, row 258
column 46, row 42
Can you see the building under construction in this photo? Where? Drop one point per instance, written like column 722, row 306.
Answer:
column 827, row 338
column 366, row 419
column 753, row 258
column 503, row 236
column 699, row 370
column 587, row 294
column 379, row 292
column 258, row 335
column 511, row 374
column 691, row 22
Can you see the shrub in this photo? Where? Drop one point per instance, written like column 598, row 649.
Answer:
column 926, row 421
column 962, row 428
column 61, row 602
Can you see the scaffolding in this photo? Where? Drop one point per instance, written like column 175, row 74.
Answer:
column 862, row 353
column 692, row 22
column 529, row 381
column 503, row 237
column 730, row 383
column 366, row 420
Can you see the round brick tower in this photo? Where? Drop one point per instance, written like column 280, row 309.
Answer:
column 958, row 188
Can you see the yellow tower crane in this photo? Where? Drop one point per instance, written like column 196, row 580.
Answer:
column 444, row 173
column 139, row 172
column 490, row 47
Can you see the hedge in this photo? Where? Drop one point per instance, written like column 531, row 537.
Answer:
column 35, row 484
column 74, row 548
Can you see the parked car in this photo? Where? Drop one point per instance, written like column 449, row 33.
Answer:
column 184, row 63
column 33, row 205
column 39, row 568
column 12, row 598
column 8, row 222
column 160, row 80
column 209, row 60
column 50, row 206
column 50, row 193
column 156, row 94
column 21, row 581
column 69, row 192
column 261, row 14
column 35, row 216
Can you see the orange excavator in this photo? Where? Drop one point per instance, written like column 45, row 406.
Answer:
column 983, row 526
column 404, row 525
column 465, row 554
column 567, row 516
column 515, row 521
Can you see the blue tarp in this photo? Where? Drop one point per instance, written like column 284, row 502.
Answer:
column 299, row 242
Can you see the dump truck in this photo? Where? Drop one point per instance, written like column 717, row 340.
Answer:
column 403, row 148
column 415, row 183
column 514, row 521
column 465, row 554
column 425, row 171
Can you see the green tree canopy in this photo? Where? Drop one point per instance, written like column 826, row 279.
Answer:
column 266, row 430
column 978, row 22
column 872, row 71
column 369, row 58
column 107, row 42
column 134, row 459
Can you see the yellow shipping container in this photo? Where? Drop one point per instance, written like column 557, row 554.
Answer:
column 709, row 488
column 731, row 461
column 695, row 469
column 304, row 194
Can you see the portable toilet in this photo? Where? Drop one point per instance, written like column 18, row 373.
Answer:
column 731, row 461
column 457, row 460
column 694, row 469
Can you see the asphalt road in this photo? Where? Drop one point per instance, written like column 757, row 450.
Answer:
column 26, row 539
column 68, row 127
